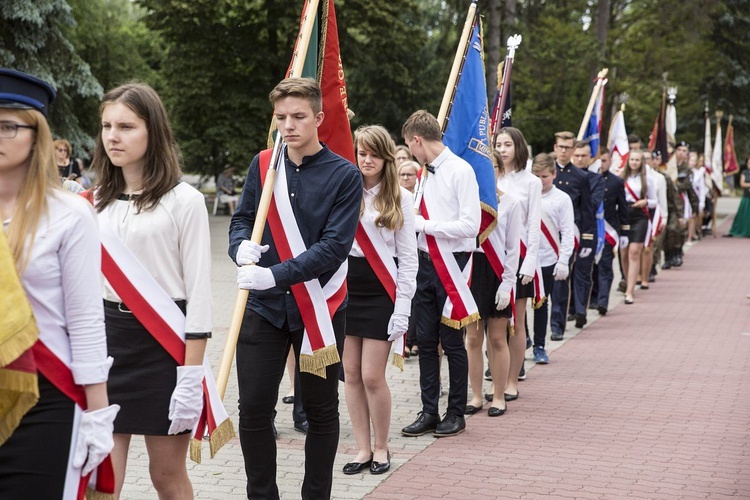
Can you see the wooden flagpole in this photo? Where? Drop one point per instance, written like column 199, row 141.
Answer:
column 592, row 101
column 238, row 313
column 513, row 43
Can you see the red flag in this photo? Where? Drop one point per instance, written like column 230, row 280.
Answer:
column 731, row 166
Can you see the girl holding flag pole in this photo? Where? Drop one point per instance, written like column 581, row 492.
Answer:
column 155, row 229
column 52, row 238
column 381, row 283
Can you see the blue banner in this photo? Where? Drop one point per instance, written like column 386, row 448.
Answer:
column 468, row 125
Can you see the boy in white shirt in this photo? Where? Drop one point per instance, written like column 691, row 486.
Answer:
column 556, row 244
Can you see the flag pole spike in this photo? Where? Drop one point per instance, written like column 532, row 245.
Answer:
column 238, row 312
column 600, row 81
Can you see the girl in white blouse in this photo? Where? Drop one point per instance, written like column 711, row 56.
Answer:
column 164, row 224
column 373, row 320
column 53, row 239
column 527, row 189
column 640, row 193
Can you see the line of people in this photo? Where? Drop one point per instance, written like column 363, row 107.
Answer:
column 348, row 260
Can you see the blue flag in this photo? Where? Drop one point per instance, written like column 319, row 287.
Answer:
column 468, row 128
column 592, row 137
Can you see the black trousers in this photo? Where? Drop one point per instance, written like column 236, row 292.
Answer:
column 34, row 459
column 428, row 307
column 261, row 359
column 541, row 313
column 605, row 276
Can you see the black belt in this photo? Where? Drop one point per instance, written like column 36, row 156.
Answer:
column 120, row 306
column 426, row 255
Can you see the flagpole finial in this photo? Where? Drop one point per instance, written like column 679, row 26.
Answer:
column 602, row 73
column 672, row 94
column 706, row 107
column 513, row 42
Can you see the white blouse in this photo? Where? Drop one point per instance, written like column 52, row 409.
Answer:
column 558, row 208
column 509, row 225
column 634, row 183
column 173, row 243
column 61, row 281
column 402, row 243
column 527, row 189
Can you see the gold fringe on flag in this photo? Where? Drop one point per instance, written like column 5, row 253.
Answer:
column 397, row 360
column 19, row 392
column 317, row 362
column 195, row 450
column 539, row 303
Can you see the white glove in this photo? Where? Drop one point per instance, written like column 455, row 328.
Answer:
column 585, row 252
column 502, row 299
column 419, row 223
column 526, row 279
column 249, row 252
column 397, row 326
column 187, row 399
column 95, row 440
column 255, row 278
column 561, row 271
column 624, row 241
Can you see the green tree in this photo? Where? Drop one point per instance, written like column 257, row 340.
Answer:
column 33, row 39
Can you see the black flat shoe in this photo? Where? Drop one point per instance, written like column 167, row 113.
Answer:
column 510, row 397
column 495, row 412
column 357, row 467
column 489, row 397
column 471, row 410
column 381, row 467
column 287, row 400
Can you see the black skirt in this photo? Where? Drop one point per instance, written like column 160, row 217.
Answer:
column 638, row 225
column 484, row 285
column 34, row 459
column 370, row 307
column 142, row 377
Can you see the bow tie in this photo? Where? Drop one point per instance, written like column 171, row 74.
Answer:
column 430, row 169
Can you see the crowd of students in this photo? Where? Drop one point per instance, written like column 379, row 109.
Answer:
column 356, row 262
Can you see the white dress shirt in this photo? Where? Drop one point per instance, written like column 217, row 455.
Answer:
column 660, row 183
column 172, row 242
column 509, row 226
column 558, row 209
column 62, row 283
column 456, row 212
column 634, row 182
column 402, row 243
column 699, row 186
column 527, row 189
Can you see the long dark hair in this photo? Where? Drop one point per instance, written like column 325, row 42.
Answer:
column 520, row 146
column 161, row 170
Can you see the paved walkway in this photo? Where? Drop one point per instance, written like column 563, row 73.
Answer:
column 648, row 402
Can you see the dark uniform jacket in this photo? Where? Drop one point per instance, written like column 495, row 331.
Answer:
column 615, row 206
column 574, row 182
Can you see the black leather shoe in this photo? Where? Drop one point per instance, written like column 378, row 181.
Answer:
column 495, row 412
column 667, row 264
column 602, row 310
column 425, row 422
column 357, row 467
column 489, row 397
column 381, row 467
column 510, row 397
column 301, row 427
column 571, row 317
column 471, row 410
column 451, row 425
column 556, row 336
column 621, row 286
column 580, row 320
column 287, row 400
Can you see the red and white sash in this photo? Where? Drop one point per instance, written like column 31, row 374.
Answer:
column 317, row 304
column 647, row 241
column 376, row 252
column 657, row 223
column 611, row 236
column 551, row 234
column 53, row 359
column 164, row 320
column 459, row 309
column 495, row 254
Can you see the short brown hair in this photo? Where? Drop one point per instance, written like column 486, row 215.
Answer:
column 565, row 135
column 63, row 142
column 305, row 88
column 423, row 124
column 542, row 162
column 581, row 145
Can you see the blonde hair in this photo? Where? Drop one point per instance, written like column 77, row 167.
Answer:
column 543, row 162
column 377, row 140
column 409, row 163
column 41, row 179
column 63, row 142
column 423, row 124
column 626, row 172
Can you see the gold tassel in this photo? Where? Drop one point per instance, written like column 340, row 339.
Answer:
column 221, row 436
column 317, row 362
column 98, row 495
column 539, row 303
column 458, row 324
column 398, row 361
column 195, row 450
